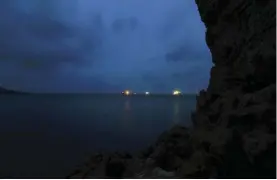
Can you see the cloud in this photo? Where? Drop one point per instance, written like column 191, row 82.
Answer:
column 49, row 42
column 187, row 52
column 125, row 24
column 71, row 45
column 39, row 53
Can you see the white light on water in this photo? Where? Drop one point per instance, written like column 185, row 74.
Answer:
column 147, row 93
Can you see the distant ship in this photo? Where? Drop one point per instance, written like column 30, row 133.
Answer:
column 176, row 93
column 127, row 92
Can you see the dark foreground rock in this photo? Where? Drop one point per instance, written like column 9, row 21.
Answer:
column 160, row 161
column 234, row 125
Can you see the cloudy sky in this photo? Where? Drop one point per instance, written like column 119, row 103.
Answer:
column 102, row 46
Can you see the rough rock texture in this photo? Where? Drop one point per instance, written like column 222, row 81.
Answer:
column 234, row 133
column 238, row 110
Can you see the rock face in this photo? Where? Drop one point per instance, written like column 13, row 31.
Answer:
column 234, row 132
column 235, row 116
column 241, row 38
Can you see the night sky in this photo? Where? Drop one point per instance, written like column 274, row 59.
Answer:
column 102, row 46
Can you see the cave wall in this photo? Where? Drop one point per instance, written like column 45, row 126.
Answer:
column 236, row 115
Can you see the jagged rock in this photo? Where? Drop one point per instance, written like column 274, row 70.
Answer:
column 147, row 152
column 267, row 94
column 197, row 166
column 133, row 167
column 172, row 147
column 160, row 173
column 249, row 117
column 242, row 41
column 257, row 141
column 201, row 99
column 158, row 152
column 175, row 162
column 115, row 168
column 201, row 120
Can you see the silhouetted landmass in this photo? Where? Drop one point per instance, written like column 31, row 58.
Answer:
column 7, row 91
column 234, row 125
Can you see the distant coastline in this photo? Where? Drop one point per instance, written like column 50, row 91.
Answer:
column 8, row 91
column 99, row 94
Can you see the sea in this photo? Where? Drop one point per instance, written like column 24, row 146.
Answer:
column 49, row 135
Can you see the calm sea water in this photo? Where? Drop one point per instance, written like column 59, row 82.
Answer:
column 48, row 135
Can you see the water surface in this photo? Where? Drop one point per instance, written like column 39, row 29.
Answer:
column 48, row 135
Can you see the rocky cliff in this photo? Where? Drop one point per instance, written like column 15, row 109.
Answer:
column 238, row 108
column 234, row 133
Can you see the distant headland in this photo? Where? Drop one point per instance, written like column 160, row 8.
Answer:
column 8, row 91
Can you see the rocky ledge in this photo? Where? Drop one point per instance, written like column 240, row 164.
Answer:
column 165, row 159
column 234, row 132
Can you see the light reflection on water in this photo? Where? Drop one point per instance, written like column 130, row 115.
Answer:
column 176, row 112
column 74, row 125
column 128, row 119
column 127, row 106
column 131, row 115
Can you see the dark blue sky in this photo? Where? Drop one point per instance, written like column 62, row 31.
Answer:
column 102, row 45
